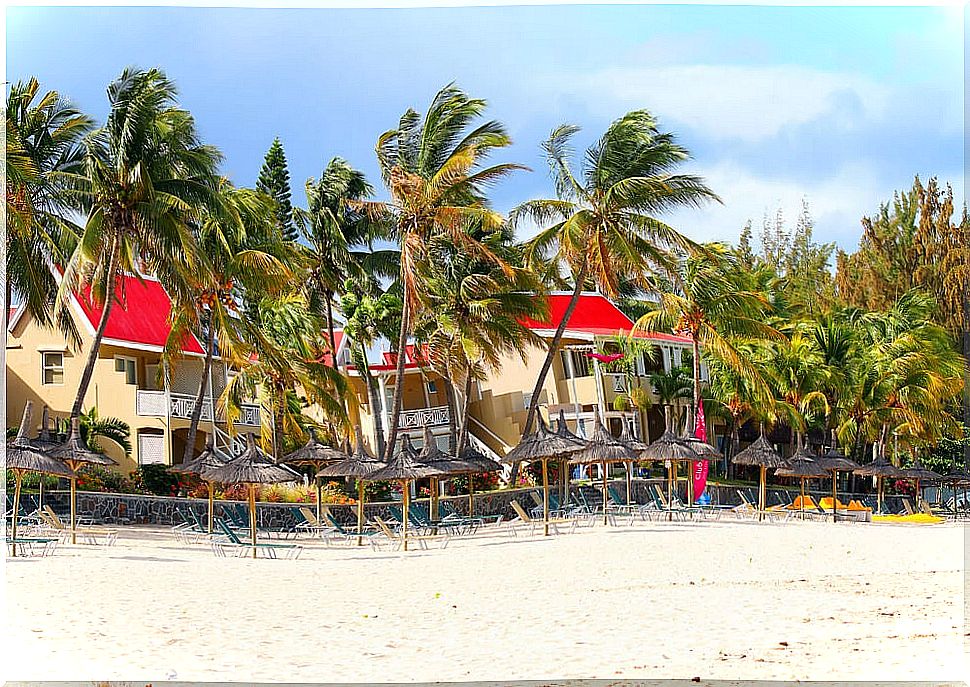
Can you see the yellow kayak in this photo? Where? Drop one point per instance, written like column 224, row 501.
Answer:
column 915, row 519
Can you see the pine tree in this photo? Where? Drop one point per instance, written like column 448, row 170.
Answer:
column 274, row 179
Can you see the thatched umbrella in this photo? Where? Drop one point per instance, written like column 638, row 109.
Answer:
column 251, row 467
column 833, row 461
column 954, row 478
column 405, row 468
column 202, row 463
column 317, row 455
column 360, row 465
column 23, row 457
column 74, row 454
column 803, row 465
column 637, row 447
column 669, row 449
column 762, row 454
column 604, row 448
column 45, row 443
column 483, row 463
column 562, row 430
column 917, row 473
column 542, row 445
column 880, row 468
column 446, row 464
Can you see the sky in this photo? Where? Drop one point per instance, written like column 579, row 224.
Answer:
column 836, row 106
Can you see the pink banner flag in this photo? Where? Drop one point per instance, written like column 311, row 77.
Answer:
column 606, row 357
column 699, row 467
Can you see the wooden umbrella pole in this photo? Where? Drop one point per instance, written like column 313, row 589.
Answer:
column 18, row 478
column 629, row 482
column 319, row 484
column 835, row 511
column 606, row 493
column 878, row 495
column 564, row 482
column 252, row 516
column 433, row 500
column 360, row 512
column 761, row 495
column 407, row 503
column 801, row 500
column 545, row 497
column 209, row 485
column 471, row 495
column 670, row 490
column 73, row 508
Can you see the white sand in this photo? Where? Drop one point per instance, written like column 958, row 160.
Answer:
column 714, row 600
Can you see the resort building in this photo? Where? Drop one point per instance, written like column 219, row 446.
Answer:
column 129, row 381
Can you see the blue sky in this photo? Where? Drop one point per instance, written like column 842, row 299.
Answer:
column 838, row 106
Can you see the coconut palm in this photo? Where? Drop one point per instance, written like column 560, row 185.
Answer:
column 433, row 169
column 671, row 386
column 341, row 235
column 706, row 302
column 43, row 132
column 368, row 316
column 241, row 252
column 475, row 313
column 602, row 226
column 144, row 176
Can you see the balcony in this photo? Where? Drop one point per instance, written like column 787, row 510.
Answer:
column 152, row 404
column 417, row 419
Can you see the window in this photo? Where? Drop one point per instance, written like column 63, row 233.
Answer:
column 432, row 387
column 129, row 367
column 53, row 368
column 580, row 364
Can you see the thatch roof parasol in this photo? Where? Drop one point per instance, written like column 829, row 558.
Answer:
column 75, row 453
column 957, row 477
column 668, row 447
column 603, row 447
column 632, row 442
column 448, row 465
column 314, row 453
column 358, row 464
column 250, row 467
column 404, row 465
column 880, row 467
column 760, row 453
column 834, row 460
column 472, row 455
column 562, row 430
column 703, row 449
column 918, row 472
column 23, row 455
column 542, row 444
column 204, row 462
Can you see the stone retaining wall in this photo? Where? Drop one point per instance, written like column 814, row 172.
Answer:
column 165, row 510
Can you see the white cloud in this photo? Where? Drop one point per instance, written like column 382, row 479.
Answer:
column 749, row 103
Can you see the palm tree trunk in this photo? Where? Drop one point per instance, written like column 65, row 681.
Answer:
column 463, row 437
column 109, row 299
column 452, row 414
column 373, row 397
column 553, row 349
column 330, row 330
column 696, row 349
column 399, row 380
column 203, row 386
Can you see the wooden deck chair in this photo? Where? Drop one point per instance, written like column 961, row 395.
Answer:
column 396, row 539
column 90, row 535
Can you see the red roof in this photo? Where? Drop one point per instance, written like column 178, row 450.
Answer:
column 594, row 314
column 140, row 315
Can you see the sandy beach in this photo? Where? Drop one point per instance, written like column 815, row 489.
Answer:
column 717, row 600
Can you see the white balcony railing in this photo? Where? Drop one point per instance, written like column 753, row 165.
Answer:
column 425, row 416
column 152, row 404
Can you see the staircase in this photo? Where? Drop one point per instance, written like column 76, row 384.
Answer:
column 229, row 446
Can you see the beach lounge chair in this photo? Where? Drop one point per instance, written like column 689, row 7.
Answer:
column 309, row 522
column 339, row 533
column 396, row 539
column 90, row 535
column 231, row 541
column 32, row 546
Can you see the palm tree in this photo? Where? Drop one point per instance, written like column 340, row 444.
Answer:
column 43, row 132
column 798, row 376
column 432, row 166
column 341, row 237
column 143, row 178
column 669, row 387
column 368, row 316
column 706, row 303
column 604, row 228
column 475, row 313
column 241, row 252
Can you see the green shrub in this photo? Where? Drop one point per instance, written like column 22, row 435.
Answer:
column 155, row 479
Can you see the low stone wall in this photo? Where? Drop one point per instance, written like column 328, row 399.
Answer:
column 166, row 510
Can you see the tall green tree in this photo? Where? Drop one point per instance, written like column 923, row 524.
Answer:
column 432, row 165
column 43, row 132
column 274, row 181
column 145, row 175
column 602, row 227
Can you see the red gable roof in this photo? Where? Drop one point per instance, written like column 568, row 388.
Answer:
column 140, row 315
column 594, row 314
